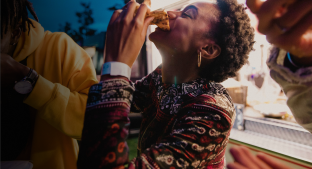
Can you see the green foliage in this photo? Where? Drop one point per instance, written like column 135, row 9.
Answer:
column 85, row 19
column 132, row 144
column 119, row 6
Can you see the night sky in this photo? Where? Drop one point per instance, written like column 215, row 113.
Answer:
column 51, row 13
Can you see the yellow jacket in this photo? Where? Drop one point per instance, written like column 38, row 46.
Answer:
column 59, row 96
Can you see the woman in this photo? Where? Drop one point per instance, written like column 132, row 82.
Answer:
column 187, row 115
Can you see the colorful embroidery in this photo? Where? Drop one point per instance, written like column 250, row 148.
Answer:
column 184, row 125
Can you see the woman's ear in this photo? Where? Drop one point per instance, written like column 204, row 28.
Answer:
column 211, row 51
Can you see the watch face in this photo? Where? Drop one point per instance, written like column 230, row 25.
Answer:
column 23, row 87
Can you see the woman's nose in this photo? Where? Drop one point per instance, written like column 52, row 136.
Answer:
column 171, row 14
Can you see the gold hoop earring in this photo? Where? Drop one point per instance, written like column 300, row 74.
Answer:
column 199, row 59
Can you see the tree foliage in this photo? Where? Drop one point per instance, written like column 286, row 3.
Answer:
column 85, row 19
column 119, row 6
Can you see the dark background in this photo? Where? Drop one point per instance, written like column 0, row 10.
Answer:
column 52, row 13
column 85, row 22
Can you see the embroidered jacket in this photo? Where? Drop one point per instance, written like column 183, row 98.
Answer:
column 184, row 125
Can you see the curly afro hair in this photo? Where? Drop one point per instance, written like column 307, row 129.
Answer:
column 235, row 36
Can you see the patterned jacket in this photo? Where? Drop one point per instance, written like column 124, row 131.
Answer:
column 184, row 125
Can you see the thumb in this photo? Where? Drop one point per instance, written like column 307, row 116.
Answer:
column 147, row 23
column 254, row 5
column 271, row 162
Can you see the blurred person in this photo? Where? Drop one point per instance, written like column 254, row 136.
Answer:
column 45, row 78
column 288, row 26
column 187, row 114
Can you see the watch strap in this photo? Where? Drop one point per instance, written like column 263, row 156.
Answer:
column 116, row 69
column 33, row 76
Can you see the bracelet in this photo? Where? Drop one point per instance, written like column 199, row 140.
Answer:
column 289, row 58
column 116, row 69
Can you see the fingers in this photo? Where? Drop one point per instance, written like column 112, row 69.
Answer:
column 298, row 30
column 254, row 5
column 236, row 165
column 254, row 159
column 271, row 162
column 286, row 24
column 299, row 35
column 147, row 2
column 241, row 158
column 294, row 14
column 244, row 157
column 126, row 6
column 114, row 16
column 267, row 13
column 117, row 13
column 146, row 24
column 129, row 12
column 140, row 16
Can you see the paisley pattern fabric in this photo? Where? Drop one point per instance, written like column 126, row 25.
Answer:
column 184, row 125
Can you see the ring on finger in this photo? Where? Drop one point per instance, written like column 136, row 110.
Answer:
column 282, row 29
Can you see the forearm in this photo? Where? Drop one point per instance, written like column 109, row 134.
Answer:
column 60, row 107
column 299, row 99
column 105, row 130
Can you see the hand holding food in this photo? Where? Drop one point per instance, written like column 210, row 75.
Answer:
column 126, row 33
column 161, row 18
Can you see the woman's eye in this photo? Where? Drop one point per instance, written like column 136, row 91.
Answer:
column 186, row 15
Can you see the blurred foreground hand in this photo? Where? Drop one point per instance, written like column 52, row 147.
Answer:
column 245, row 160
column 286, row 23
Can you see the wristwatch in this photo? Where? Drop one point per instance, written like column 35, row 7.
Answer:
column 26, row 85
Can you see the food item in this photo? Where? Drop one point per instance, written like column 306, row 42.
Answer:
column 161, row 17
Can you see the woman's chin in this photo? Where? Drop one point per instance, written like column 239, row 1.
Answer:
column 155, row 37
column 152, row 36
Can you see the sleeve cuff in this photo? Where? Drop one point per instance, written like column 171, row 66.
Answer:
column 276, row 63
column 41, row 94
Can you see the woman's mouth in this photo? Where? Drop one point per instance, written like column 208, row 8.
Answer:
column 159, row 29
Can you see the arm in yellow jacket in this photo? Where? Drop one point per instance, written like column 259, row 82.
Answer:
column 62, row 104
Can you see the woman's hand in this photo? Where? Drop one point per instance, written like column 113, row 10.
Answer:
column 245, row 160
column 126, row 33
column 286, row 23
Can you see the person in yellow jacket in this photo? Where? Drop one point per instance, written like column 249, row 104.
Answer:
column 45, row 80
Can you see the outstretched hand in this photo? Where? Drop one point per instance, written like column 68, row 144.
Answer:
column 126, row 33
column 245, row 160
column 286, row 23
